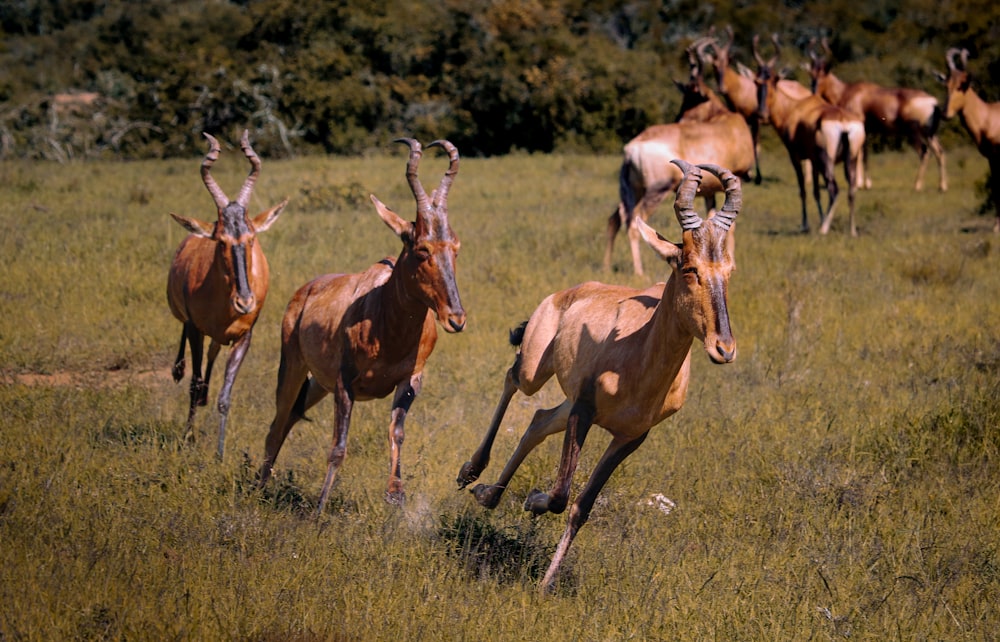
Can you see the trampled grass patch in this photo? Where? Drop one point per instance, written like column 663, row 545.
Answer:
column 838, row 480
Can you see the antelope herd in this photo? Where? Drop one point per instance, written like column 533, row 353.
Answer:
column 621, row 356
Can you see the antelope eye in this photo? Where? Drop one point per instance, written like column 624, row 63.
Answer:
column 423, row 252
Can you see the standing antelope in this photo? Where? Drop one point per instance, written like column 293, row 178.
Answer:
column 622, row 356
column 910, row 112
column 707, row 133
column 816, row 131
column 362, row 336
column 739, row 89
column 218, row 282
column 980, row 118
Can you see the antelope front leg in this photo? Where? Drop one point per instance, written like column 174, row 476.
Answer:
column 344, row 400
column 406, row 392
column 471, row 470
column 544, row 423
column 233, row 363
column 615, row 454
column 577, row 427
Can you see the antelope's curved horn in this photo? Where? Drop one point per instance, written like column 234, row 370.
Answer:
column 684, row 203
column 441, row 193
column 826, row 47
column 756, row 53
column 701, row 49
column 220, row 198
column 949, row 57
column 423, row 202
column 965, row 59
column 247, row 189
column 725, row 217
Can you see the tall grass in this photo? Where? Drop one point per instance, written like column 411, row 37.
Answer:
column 839, row 480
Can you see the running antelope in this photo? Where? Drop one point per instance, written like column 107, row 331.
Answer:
column 622, row 356
column 363, row 336
column 980, row 118
column 647, row 174
column 218, row 282
column 910, row 112
column 816, row 131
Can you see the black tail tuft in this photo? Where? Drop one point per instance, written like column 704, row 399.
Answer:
column 517, row 334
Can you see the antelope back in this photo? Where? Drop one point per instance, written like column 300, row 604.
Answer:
column 427, row 264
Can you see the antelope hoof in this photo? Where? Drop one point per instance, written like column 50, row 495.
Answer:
column 537, row 502
column 468, row 474
column 395, row 497
column 488, row 496
column 177, row 372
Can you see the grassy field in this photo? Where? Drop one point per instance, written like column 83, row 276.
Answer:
column 841, row 479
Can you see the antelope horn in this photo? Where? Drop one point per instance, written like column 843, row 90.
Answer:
column 684, row 203
column 423, row 203
column 725, row 217
column 220, row 198
column 777, row 50
column 949, row 57
column 247, row 189
column 732, row 36
column 826, row 47
column 756, row 53
column 701, row 49
column 440, row 196
column 965, row 59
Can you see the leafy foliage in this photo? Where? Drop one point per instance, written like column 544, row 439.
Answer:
column 344, row 77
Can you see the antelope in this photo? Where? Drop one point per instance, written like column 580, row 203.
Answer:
column 622, row 356
column 363, row 336
column 739, row 89
column 698, row 102
column 218, row 282
column 647, row 175
column 911, row 112
column 812, row 130
column 980, row 118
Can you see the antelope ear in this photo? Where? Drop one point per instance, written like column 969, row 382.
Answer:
column 264, row 220
column 941, row 77
column 664, row 248
column 403, row 229
column 193, row 225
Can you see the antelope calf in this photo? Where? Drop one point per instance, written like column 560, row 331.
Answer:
column 980, row 118
column 363, row 336
column 812, row 130
column 218, row 282
column 909, row 112
column 622, row 356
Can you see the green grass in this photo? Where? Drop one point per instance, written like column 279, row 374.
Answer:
column 839, row 480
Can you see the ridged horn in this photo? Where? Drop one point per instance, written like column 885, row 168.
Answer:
column 725, row 217
column 440, row 198
column 247, row 189
column 684, row 203
column 423, row 202
column 220, row 198
column 950, row 57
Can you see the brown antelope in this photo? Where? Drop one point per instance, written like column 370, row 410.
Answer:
column 980, row 118
column 218, row 282
column 707, row 132
column 622, row 356
column 910, row 112
column 739, row 89
column 363, row 336
column 698, row 102
column 816, row 131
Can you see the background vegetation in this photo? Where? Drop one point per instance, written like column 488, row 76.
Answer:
column 839, row 480
column 342, row 77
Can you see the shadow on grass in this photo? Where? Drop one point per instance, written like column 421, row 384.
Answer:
column 506, row 555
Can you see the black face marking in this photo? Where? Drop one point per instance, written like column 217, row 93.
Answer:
column 239, row 254
column 234, row 220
